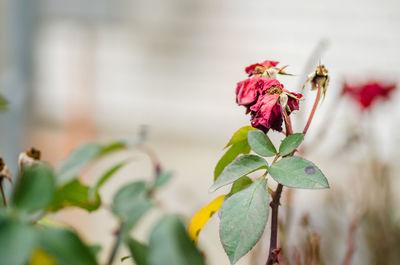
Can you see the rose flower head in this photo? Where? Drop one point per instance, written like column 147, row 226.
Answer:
column 259, row 68
column 267, row 112
column 366, row 94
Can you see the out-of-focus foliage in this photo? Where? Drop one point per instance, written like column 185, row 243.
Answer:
column 27, row 236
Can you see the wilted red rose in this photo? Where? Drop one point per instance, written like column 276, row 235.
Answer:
column 259, row 68
column 267, row 112
column 247, row 91
column 366, row 94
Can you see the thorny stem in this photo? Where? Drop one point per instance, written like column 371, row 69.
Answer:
column 273, row 246
column 313, row 109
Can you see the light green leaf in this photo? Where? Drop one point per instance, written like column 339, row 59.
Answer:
column 16, row 242
column 241, row 166
column 240, row 184
column 297, row 172
column 35, row 189
column 66, row 247
column 290, row 143
column 138, row 251
column 240, row 135
column 163, row 178
column 243, row 219
column 230, row 155
column 83, row 155
column 93, row 191
column 130, row 203
column 75, row 194
column 170, row 244
column 260, row 143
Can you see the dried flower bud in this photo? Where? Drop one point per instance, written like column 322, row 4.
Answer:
column 4, row 173
column 29, row 158
column 317, row 78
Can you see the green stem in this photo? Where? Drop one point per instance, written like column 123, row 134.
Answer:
column 116, row 245
column 3, row 195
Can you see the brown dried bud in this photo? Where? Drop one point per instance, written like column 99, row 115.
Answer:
column 4, row 173
column 317, row 78
column 29, row 158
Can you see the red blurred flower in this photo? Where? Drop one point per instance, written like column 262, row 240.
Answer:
column 246, row 91
column 259, row 68
column 366, row 94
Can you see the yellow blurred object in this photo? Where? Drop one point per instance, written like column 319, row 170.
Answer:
column 48, row 222
column 39, row 257
column 202, row 217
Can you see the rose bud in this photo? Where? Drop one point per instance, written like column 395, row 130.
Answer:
column 367, row 93
column 4, row 173
column 317, row 78
column 29, row 158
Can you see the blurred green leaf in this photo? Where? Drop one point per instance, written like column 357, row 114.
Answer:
column 66, row 247
column 241, row 166
column 35, row 188
column 3, row 103
column 138, row 251
column 297, row 172
column 130, row 203
column 243, row 219
column 170, row 244
column 83, row 155
column 290, row 143
column 93, row 191
column 95, row 249
column 240, row 135
column 163, row 178
column 240, row 184
column 125, row 258
column 75, row 194
column 230, row 155
column 16, row 242
column 260, row 143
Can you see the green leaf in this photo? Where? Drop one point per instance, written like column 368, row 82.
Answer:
column 240, row 184
column 138, row 251
column 93, row 191
column 16, row 242
column 83, row 155
column 95, row 249
column 290, row 143
column 170, row 244
column 75, row 194
column 240, row 135
column 230, row 155
column 3, row 103
column 35, row 189
column 163, row 178
column 125, row 258
column 77, row 160
column 241, row 166
column 66, row 247
column 243, row 219
column 130, row 203
column 297, row 172
column 260, row 143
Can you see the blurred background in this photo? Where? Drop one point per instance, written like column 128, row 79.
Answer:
column 97, row 70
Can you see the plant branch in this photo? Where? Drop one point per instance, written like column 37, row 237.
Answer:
column 351, row 241
column 273, row 246
column 313, row 109
column 3, row 195
column 117, row 242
